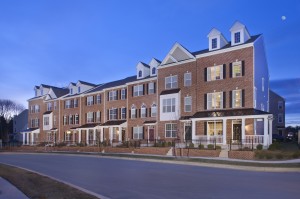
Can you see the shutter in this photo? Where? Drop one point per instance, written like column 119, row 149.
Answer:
column 132, row 132
column 143, row 132
column 243, row 98
column 129, row 113
column 107, row 96
column 230, row 99
column 230, row 70
column 144, row 89
column 224, row 99
column 205, row 128
column 139, row 112
column 107, row 115
column 147, row 87
column 136, row 113
column 205, row 74
column 154, row 87
column 205, row 101
column 94, row 116
column 125, row 93
column 132, row 91
column 224, row 71
column 117, row 113
column 149, row 112
column 146, row 112
column 243, row 68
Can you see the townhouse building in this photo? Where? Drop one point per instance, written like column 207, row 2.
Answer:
column 277, row 108
column 218, row 94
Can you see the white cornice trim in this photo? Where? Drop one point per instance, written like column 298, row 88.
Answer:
column 177, row 63
column 142, row 80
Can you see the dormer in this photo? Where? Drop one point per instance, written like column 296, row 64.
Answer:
column 72, row 88
column 154, row 63
column 36, row 91
column 50, row 95
column 44, row 89
column 177, row 54
column 83, row 86
column 142, row 70
column 216, row 40
column 239, row 33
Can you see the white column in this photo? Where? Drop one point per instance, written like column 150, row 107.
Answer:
column 110, row 134
column 270, row 131
column 120, row 134
column 27, row 141
column 265, row 131
column 23, row 138
column 94, row 136
column 193, row 129
column 31, row 138
column 87, row 136
column 79, row 136
column 148, row 133
column 101, row 134
column 224, row 131
column 243, row 129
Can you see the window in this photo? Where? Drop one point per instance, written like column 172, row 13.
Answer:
column 123, row 94
column 140, row 73
column 214, row 43
column 42, row 92
column 112, row 95
column 90, row 117
column 143, row 111
column 31, row 109
column 169, row 105
column 215, row 100
column 98, row 116
column 237, row 69
column 236, row 98
column 214, row 73
column 188, row 104
column 36, row 108
column 46, row 121
column 90, row 100
column 255, row 94
column 138, row 90
column 153, row 71
column 123, row 113
column 55, row 105
column 153, row 110
column 280, row 118
column 280, row 105
column 187, row 79
column 54, row 119
column 36, row 122
column 70, row 119
column 78, row 89
column 68, row 104
column 113, row 114
column 65, row 120
column 171, row 130
column 138, row 132
column 75, row 103
column 151, row 88
column 262, row 84
column 76, row 119
column 214, row 128
column 71, row 91
column 32, row 123
column 237, row 37
column 98, row 99
column 171, row 82
column 49, row 106
column 133, row 112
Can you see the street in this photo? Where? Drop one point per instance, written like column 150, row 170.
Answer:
column 119, row 178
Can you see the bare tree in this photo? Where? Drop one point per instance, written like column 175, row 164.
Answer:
column 9, row 108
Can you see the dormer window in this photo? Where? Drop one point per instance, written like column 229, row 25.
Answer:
column 71, row 91
column 78, row 89
column 214, row 43
column 42, row 92
column 36, row 93
column 153, row 71
column 237, row 37
column 140, row 73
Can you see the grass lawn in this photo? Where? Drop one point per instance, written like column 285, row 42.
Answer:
column 40, row 187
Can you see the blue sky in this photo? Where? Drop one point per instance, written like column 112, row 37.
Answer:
column 55, row 42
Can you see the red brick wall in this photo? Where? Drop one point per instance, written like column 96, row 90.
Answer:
column 244, row 155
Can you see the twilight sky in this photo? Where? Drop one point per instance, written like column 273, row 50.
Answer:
column 55, row 42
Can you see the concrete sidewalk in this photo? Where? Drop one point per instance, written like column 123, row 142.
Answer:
column 9, row 191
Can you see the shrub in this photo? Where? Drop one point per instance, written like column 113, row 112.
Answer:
column 191, row 145
column 218, row 147
column 61, row 144
column 201, row 146
column 296, row 155
column 259, row 147
column 169, row 143
column 275, row 146
column 279, row 156
column 81, row 144
column 246, row 149
column 269, row 156
column 210, row 146
column 163, row 144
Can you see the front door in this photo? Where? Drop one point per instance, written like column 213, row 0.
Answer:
column 237, row 132
column 151, row 135
column 123, row 135
column 188, row 132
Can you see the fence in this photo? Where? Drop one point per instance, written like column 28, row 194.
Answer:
column 245, row 144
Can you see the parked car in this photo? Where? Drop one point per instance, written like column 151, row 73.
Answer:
column 277, row 138
column 290, row 136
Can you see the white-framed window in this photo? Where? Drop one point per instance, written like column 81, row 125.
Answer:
column 215, row 100
column 133, row 112
column 113, row 113
column 70, row 119
column 98, row 116
column 32, row 123
column 143, row 111
column 90, row 117
column 187, row 79
column 75, row 103
column 123, row 113
column 171, row 130
column 280, row 118
column 237, row 69
column 280, row 105
column 65, row 121
column 98, row 99
column 68, row 136
column 237, row 37
column 169, row 105
column 140, row 73
column 214, row 128
column 262, row 84
column 76, row 119
column 36, row 122
column 153, row 71
column 54, row 119
column 214, row 43
column 78, row 89
column 46, row 121
column 171, row 82
column 90, row 100
column 55, row 105
column 112, row 95
column 71, row 91
column 138, row 132
column 37, row 108
column 151, row 88
column 188, row 104
column 214, row 73
column 68, row 104
column 236, row 98
column 153, row 110
column 123, row 94
column 31, row 109
column 138, row 90
column 49, row 106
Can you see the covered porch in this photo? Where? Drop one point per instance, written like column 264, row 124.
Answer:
column 30, row 136
column 113, row 132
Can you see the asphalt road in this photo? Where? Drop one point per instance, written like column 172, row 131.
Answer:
column 119, row 178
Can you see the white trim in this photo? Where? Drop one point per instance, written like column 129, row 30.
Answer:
column 176, row 63
column 142, row 80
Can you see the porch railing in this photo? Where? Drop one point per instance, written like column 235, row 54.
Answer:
column 256, row 139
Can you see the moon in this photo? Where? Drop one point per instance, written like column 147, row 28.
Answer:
column 283, row 18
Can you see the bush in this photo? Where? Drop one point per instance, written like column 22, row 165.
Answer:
column 61, row 144
column 279, row 156
column 163, row 144
column 191, row 145
column 218, row 147
column 275, row 146
column 211, row 146
column 296, row 155
column 81, row 144
column 169, row 143
column 201, row 146
column 269, row 156
column 259, row 147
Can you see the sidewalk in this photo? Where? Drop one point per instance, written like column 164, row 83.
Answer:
column 9, row 191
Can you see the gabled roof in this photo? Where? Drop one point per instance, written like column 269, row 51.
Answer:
column 158, row 61
column 146, row 65
column 45, row 86
column 214, row 32
column 177, row 53
column 60, row 91
column 86, row 83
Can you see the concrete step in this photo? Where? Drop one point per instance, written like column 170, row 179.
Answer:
column 224, row 153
